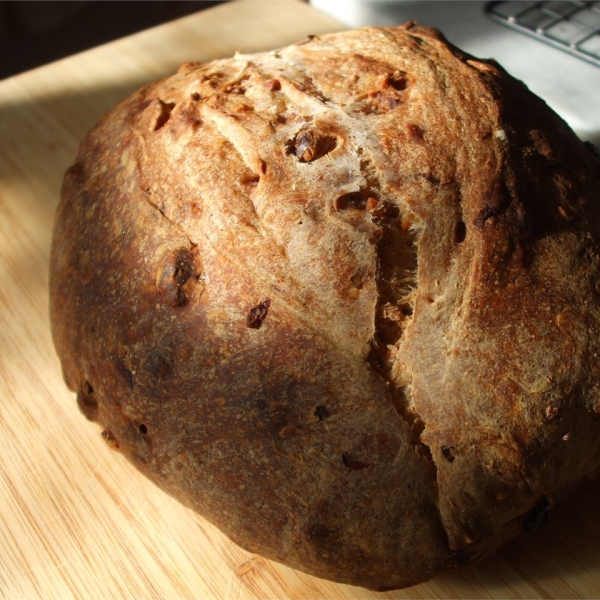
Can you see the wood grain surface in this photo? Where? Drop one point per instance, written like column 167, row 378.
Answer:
column 76, row 520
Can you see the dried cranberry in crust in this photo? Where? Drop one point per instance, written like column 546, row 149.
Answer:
column 258, row 314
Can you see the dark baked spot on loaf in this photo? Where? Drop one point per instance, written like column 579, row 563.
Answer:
column 87, row 401
column 188, row 120
column 185, row 265
column 376, row 103
column 250, row 179
column 180, row 275
column 397, row 80
column 188, row 65
column 110, row 439
column 236, row 88
column 161, row 113
column 320, row 535
column 361, row 276
column 495, row 202
column 355, row 200
column 544, row 147
column 272, row 85
column 474, row 526
column 135, row 439
column 309, row 38
column 124, row 372
column 380, row 101
column 213, row 79
column 448, row 454
column 384, row 212
column 354, row 463
column 406, row 309
column 415, row 133
column 460, row 232
column 258, row 314
column 320, row 412
column 309, row 145
column 288, row 431
column 158, row 366
column 145, row 104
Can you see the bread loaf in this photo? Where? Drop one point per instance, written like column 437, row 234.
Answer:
column 342, row 299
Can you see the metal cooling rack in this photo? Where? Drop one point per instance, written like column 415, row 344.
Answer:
column 570, row 25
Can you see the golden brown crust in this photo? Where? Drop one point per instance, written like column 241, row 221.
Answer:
column 235, row 298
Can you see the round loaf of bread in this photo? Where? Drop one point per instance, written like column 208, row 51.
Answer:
column 342, row 299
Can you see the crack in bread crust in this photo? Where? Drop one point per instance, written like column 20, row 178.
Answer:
column 397, row 286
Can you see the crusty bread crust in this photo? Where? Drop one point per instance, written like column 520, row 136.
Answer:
column 341, row 298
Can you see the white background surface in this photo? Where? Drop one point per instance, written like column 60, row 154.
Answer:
column 568, row 84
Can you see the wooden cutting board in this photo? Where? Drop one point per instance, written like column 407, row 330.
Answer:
column 76, row 520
